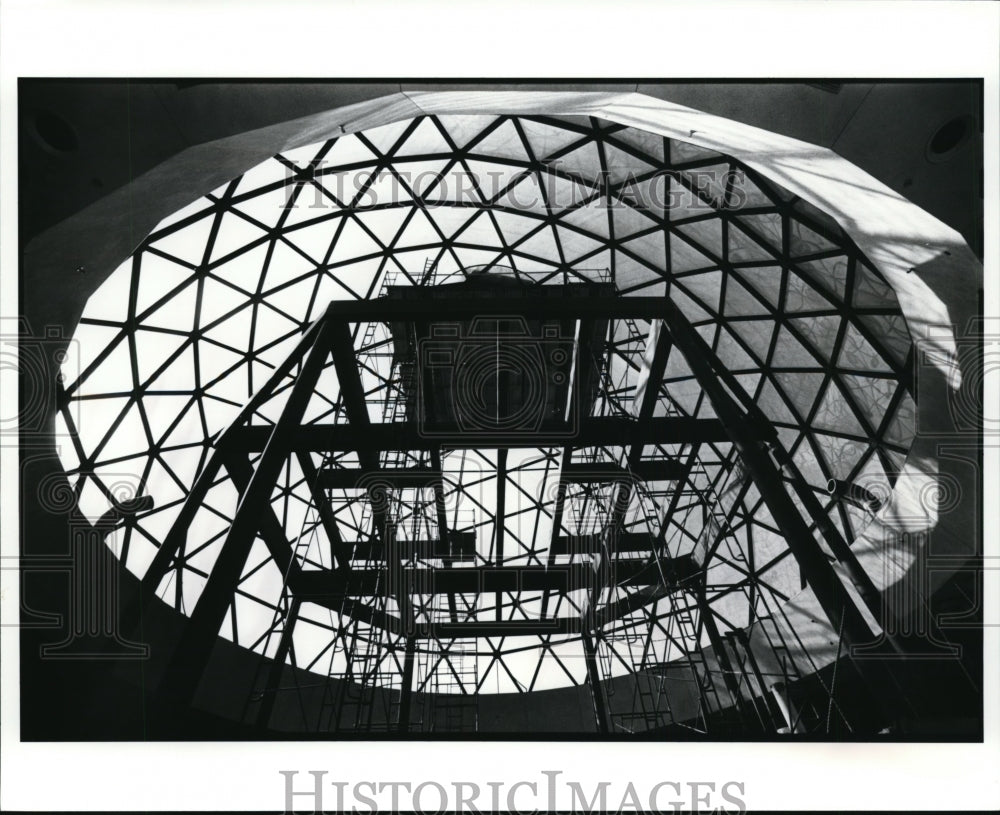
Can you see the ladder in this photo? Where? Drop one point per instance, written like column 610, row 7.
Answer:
column 455, row 688
column 715, row 515
column 306, row 538
column 687, row 628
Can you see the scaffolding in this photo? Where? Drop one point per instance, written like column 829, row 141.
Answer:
column 405, row 597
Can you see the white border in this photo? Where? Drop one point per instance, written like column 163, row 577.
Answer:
column 304, row 39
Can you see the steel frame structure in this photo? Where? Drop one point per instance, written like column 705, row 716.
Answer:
column 697, row 446
column 345, row 586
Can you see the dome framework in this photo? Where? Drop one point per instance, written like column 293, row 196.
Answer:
column 798, row 319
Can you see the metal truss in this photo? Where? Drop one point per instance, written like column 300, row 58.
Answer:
column 729, row 295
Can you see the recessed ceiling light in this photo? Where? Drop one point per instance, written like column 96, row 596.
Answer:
column 949, row 138
column 55, row 133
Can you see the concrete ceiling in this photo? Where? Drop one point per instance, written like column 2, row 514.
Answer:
column 118, row 130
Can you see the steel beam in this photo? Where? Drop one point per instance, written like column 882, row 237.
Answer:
column 184, row 671
column 648, row 471
column 565, row 545
column 177, row 536
column 594, row 680
column 406, row 689
column 592, row 431
column 562, row 626
column 339, row 551
column 841, row 549
column 442, row 521
column 346, row 478
column 606, row 472
column 352, row 394
column 557, row 514
column 277, row 666
column 462, row 549
column 591, row 544
column 830, row 592
column 719, row 648
column 459, row 306
column 500, row 518
column 309, row 584
column 270, row 529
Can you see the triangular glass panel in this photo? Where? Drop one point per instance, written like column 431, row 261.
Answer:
column 828, row 273
column 348, row 149
column 685, row 258
column 857, row 353
column 766, row 228
column 706, row 287
column 157, row 276
column 835, row 413
column 743, row 248
column 740, row 302
column 682, row 152
column 800, row 390
column 545, row 139
column 234, row 233
column 353, row 242
column 426, row 139
column 650, row 248
column 621, row 165
column 592, row 217
column 756, row 334
column 645, row 142
column 188, row 244
column 706, row 234
column 821, row 332
column 764, row 279
column 802, row 296
column 385, row 137
column 504, row 142
column 805, row 241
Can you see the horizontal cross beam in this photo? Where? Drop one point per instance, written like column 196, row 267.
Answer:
column 602, row 473
column 595, row 431
column 332, row 478
column 428, row 580
column 446, row 629
column 460, row 306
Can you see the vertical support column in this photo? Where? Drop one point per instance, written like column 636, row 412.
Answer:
column 187, row 665
column 650, row 396
column 865, row 586
column 501, row 516
column 824, row 581
column 339, row 551
column 442, row 520
column 557, row 515
column 720, row 651
column 765, row 696
column 177, row 536
column 278, row 666
column 439, row 504
column 594, row 678
column 788, row 711
column 406, row 691
column 352, row 393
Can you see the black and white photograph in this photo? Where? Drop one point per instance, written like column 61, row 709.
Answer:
column 605, row 443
